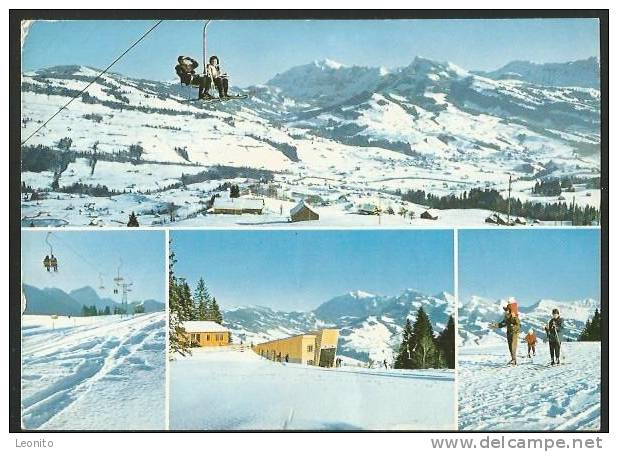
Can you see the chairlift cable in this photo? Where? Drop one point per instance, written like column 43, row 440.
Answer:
column 93, row 80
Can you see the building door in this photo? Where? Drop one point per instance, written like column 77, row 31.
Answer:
column 327, row 357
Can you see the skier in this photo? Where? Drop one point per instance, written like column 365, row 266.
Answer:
column 217, row 76
column 554, row 335
column 185, row 69
column 513, row 327
column 531, row 341
column 46, row 263
column 385, row 365
column 287, row 358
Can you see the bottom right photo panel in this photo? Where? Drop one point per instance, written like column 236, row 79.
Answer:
column 529, row 330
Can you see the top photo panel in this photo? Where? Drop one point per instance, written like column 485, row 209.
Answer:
column 311, row 123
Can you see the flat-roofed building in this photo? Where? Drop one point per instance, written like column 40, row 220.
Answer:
column 318, row 348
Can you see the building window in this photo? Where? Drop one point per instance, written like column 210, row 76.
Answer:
column 310, row 348
column 208, row 337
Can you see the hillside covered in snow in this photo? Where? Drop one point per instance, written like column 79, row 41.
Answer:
column 93, row 373
column 341, row 137
column 370, row 325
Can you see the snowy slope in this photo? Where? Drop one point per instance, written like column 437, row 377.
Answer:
column 477, row 313
column 103, row 373
column 533, row 395
column 253, row 393
column 347, row 134
column 370, row 325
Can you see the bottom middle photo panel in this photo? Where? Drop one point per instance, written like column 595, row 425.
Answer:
column 312, row 330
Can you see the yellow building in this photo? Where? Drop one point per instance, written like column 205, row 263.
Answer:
column 317, row 348
column 206, row 333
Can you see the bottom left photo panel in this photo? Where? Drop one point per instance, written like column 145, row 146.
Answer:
column 93, row 330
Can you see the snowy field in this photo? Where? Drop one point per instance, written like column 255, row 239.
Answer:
column 533, row 395
column 227, row 389
column 84, row 373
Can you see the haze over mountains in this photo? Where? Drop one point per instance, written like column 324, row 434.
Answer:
column 50, row 301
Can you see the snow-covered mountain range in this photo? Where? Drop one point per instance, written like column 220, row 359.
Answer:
column 370, row 325
column 477, row 313
column 323, row 129
column 584, row 73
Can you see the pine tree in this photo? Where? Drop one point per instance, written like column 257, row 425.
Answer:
column 216, row 312
column 446, row 343
column 592, row 329
column 133, row 223
column 422, row 343
column 203, row 300
column 403, row 357
column 186, row 300
column 177, row 334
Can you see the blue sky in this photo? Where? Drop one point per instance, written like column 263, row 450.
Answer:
column 299, row 270
column 83, row 255
column 530, row 265
column 254, row 51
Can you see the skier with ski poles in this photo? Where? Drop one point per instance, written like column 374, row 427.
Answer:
column 554, row 335
column 513, row 327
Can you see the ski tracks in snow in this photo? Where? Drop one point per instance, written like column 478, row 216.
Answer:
column 532, row 395
column 60, row 369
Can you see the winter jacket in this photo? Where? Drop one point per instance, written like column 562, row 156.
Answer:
column 214, row 71
column 531, row 339
column 186, row 69
column 512, row 324
column 554, row 330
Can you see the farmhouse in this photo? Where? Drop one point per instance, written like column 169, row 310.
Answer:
column 238, row 206
column 206, row 333
column 429, row 214
column 317, row 348
column 303, row 212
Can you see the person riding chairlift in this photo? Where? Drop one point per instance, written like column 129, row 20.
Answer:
column 185, row 69
column 47, row 263
column 216, row 76
column 53, row 262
